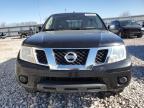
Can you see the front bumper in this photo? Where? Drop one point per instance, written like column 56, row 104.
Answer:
column 100, row 78
column 142, row 32
column 132, row 33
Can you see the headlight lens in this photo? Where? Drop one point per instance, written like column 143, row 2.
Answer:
column 117, row 53
column 26, row 54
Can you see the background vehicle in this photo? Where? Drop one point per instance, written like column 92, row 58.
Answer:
column 25, row 33
column 126, row 28
column 3, row 35
column 143, row 24
column 142, row 28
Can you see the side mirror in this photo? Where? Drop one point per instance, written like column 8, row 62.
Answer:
column 112, row 27
column 108, row 27
column 143, row 24
column 39, row 28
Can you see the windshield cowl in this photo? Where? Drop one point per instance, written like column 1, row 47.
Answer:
column 74, row 29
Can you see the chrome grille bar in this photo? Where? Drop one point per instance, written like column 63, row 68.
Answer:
column 90, row 59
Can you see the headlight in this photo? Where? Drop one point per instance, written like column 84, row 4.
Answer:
column 26, row 54
column 117, row 53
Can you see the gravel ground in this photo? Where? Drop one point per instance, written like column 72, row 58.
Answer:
column 14, row 96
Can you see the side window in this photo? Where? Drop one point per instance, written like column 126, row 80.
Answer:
column 49, row 23
column 91, row 22
column 99, row 23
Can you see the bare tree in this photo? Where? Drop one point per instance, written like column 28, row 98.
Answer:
column 125, row 14
column 23, row 24
column 3, row 24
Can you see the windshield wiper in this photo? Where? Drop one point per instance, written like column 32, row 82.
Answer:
column 91, row 28
column 52, row 29
column 85, row 28
column 75, row 29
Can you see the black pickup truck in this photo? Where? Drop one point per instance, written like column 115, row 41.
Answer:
column 2, row 35
column 126, row 28
column 74, row 52
column 25, row 33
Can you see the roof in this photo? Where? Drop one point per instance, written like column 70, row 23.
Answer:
column 73, row 13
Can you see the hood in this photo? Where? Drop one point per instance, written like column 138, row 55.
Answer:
column 73, row 39
column 132, row 27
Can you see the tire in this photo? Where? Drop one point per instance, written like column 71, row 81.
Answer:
column 22, row 36
column 139, row 36
column 2, row 37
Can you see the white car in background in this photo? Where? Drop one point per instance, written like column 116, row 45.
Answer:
column 142, row 28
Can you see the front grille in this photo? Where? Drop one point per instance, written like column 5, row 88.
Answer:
column 132, row 31
column 101, row 56
column 41, row 56
column 79, row 80
column 60, row 54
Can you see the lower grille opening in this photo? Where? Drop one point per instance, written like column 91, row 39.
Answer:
column 41, row 56
column 132, row 32
column 101, row 56
column 93, row 88
column 129, row 31
column 70, row 89
column 63, row 80
column 49, row 88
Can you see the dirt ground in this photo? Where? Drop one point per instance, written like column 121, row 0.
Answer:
column 9, row 48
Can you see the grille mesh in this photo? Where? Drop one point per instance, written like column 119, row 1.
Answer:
column 79, row 80
column 101, row 56
column 131, row 31
column 81, row 56
column 41, row 57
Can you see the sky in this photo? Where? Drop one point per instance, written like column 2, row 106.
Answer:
column 16, row 11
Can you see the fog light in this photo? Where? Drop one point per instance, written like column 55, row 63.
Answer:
column 23, row 79
column 122, row 80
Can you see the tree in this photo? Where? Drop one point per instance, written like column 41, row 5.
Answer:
column 3, row 24
column 125, row 14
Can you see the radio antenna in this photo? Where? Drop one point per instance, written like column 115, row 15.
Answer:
column 65, row 10
column 39, row 14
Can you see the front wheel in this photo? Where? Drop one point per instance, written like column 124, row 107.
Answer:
column 139, row 36
column 22, row 36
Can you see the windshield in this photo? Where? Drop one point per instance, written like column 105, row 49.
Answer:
column 74, row 22
column 128, row 22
